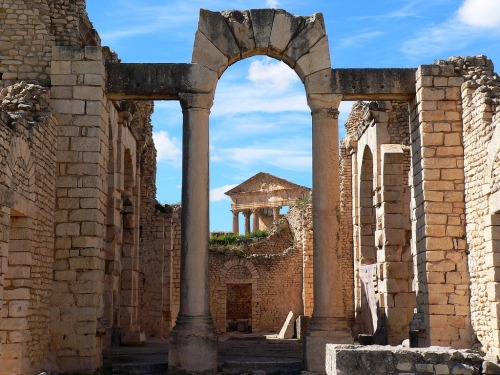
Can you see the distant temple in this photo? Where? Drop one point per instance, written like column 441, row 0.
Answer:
column 262, row 197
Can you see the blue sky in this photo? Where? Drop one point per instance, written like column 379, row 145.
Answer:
column 260, row 121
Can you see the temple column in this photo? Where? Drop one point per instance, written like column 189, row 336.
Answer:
column 193, row 340
column 247, row 221
column 276, row 214
column 329, row 323
column 236, row 222
column 255, row 214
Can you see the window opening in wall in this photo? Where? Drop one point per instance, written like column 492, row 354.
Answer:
column 239, row 307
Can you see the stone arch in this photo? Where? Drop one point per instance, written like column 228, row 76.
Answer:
column 224, row 38
column 248, row 276
column 239, row 262
column 366, row 209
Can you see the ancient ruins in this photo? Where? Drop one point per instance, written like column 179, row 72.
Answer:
column 262, row 197
column 406, row 210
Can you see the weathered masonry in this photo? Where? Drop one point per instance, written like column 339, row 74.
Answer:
column 406, row 212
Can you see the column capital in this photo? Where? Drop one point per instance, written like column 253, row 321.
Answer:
column 325, row 104
column 189, row 100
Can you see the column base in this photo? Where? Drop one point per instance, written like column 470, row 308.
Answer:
column 193, row 346
column 323, row 331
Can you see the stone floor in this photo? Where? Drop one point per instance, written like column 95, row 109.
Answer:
column 239, row 353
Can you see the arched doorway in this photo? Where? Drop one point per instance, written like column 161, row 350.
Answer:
column 301, row 42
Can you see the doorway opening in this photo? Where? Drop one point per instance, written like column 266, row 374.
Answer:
column 239, row 307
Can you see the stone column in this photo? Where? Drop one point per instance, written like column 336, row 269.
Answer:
column 193, row 341
column 255, row 213
column 247, row 221
column 276, row 214
column 236, row 222
column 329, row 323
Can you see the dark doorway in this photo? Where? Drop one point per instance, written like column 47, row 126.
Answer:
column 239, row 307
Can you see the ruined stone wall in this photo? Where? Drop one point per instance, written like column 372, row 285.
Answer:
column 275, row 278
column 27, row 182
column 175, row 265
column 439, row 208
column 481, row 104
column 82, row 113
column 28, row 31
column 300, row 219
column 346, row 231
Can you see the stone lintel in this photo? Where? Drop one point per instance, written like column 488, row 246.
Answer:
column 374, row 84
column 157, row 81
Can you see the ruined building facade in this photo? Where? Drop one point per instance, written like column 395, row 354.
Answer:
column 406, row 223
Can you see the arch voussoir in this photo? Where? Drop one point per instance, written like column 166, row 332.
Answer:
column 312, row 31
column 214, row 26
column 262, row 23
column 207, row 54
column 240, row 24
column 285, row 26
column 317, row 59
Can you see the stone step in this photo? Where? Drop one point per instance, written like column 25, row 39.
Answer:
column 289, row 367
column 140, row 369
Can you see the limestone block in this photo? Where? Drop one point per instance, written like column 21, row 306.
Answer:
column 240, row 24
column 262, row 22
column 285, row 26
column 67, row 53
column 88, row 92
column 60, row 67
column 317, row 59
column 206, row 54
column 93, row 53
column 312, row 31
column 67, row 106
column 319, row 82
column 214, row 26
column 88, row 67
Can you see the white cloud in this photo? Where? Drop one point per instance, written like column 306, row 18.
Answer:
column 466, row 26
column 272, row 73
column 436, row 41
column 270, row 87
column 272, row 3
column 217, row 194
column 359, row 39
column 280, row 155
column 480, row 13
column 168, row 148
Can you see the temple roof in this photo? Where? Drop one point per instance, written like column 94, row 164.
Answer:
column 264, row 183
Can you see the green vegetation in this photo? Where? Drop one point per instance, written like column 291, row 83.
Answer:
column 230, row 243
column 226, row 239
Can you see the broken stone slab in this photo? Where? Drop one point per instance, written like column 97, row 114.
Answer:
column 240, row 24
column 302, row 323
column 285, row 26
column 262, row 21
column 214, row 26
column 287, row 330
column 312, row 31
